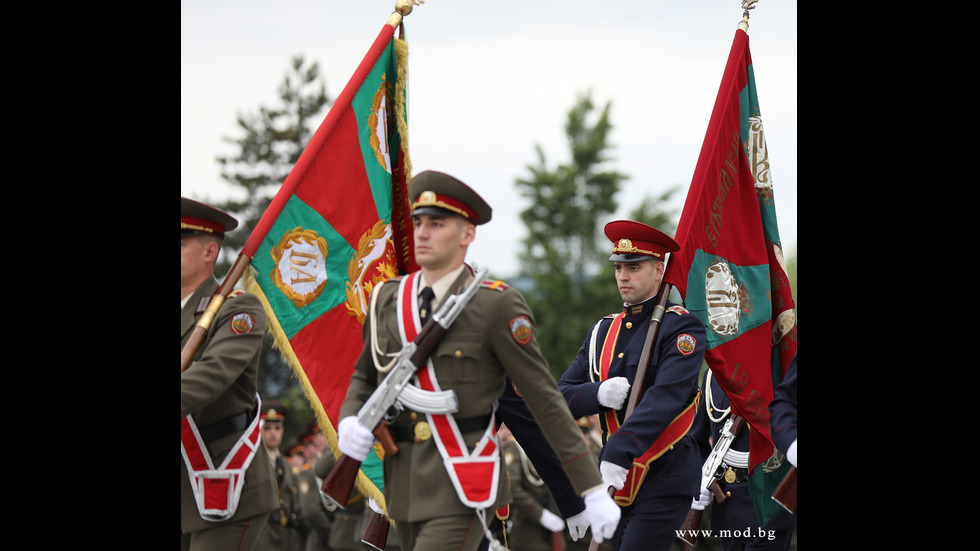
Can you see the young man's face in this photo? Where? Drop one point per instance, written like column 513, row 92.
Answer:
column 272, row 434
column 638, row 281
column 441, row 241
column 197, row 254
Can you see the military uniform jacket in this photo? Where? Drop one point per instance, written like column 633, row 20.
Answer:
column 491, row 339
column 671, row 384
column 782, row 424
column 220, row 384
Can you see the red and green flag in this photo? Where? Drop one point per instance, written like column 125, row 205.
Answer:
column 338, row 226
column 730, row 269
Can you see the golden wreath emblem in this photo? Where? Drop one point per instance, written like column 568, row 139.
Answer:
column 373, row 262
column 300, row 260
column 378, row 122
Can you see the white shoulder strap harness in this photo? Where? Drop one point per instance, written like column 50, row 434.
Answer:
column 475, row 475
column 217, row 490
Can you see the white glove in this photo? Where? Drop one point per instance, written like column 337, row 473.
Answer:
column 603, row 514
column 613, row 475
column 791, row 453
column 577, row 525
column 374, row 506
column 551, row 521
column 353, row 438
column 700, row 503
column 613, row 392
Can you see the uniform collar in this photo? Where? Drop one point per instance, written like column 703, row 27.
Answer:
column 643, row 308
column 441, row 287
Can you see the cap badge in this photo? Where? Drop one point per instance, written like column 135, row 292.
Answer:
column 427, row 198
column 301, row 271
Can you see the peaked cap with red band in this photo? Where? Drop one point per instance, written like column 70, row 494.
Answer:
column 273, row 411
column 433, row 192
column 635, row 241
column 200, row 218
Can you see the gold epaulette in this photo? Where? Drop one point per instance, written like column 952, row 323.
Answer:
column 679, row 310
column 494, row 284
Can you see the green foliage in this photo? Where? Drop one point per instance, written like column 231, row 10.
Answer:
column 566, row 276
column 561, row 254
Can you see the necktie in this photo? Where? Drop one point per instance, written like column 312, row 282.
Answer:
column 426, row 304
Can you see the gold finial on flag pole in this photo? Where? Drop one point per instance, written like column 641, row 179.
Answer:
column 402, row 8
column 746, row 5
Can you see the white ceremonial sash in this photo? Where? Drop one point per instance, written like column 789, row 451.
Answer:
column 475, row 474
column 218, row 490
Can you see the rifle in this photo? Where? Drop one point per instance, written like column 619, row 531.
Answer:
column 376, row 532
column 711, row 472
column 785, row 493
column 394, row 392
column 636, row 391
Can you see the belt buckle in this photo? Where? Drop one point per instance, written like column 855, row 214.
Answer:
column 730, row 475
column 422, row 431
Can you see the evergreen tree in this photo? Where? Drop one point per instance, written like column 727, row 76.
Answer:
column 562, row 252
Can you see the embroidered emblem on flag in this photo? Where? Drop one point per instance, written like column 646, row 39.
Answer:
column 686, row 344
column 724, row 302
column 242, row 323
column 300, row 260
column 520, row 328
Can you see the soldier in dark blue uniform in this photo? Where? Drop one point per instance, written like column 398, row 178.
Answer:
column 734, row 520
column 649, row 458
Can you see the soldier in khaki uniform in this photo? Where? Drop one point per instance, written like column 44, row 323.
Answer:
column 219, row 402
column 492, row 338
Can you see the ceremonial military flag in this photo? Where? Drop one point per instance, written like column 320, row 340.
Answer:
column 730, row 269
column 338, row 226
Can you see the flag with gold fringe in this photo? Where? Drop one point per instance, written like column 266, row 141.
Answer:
column 338, row 226
column 730, row 269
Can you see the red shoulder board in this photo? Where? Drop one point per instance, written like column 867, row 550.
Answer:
column 679, row 310
column 498, row 285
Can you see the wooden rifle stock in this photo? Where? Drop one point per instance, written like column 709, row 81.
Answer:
column 558, row 541
column 636, row 391
column 785, row 493
column 376, row 531
column 692, row 521
column 200, row 330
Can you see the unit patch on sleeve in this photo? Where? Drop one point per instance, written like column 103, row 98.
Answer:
column 686, row 344
column 521, row 329
column 242, row 322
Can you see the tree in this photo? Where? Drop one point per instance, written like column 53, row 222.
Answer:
column 273, row 140
column 562, row 255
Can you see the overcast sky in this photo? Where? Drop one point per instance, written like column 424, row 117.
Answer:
column 490, row 80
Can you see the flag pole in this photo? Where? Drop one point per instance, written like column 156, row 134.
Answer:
column 200, row 331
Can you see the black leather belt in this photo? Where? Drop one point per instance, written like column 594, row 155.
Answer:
column 734, row 474
column 225, row 427
column 419, row 431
